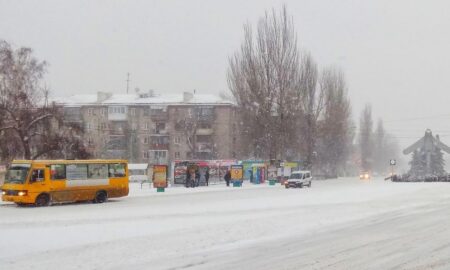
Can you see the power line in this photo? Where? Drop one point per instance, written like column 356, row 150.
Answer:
column 442, row 116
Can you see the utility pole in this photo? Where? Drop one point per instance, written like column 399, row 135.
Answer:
column 128, row 81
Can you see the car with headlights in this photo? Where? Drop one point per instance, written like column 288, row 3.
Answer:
column 299, row 179
column 364, row 175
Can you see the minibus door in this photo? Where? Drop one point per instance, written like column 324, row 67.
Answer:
column 38, row 180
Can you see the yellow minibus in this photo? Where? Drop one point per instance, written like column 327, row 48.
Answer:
column 42, row 182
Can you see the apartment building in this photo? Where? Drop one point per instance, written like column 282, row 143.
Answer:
column 145, row 128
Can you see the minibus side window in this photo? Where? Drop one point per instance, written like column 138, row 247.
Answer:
column 98, row 171
column 76, row 171
column 37, row 176
column 117, row 170
column 58, row 171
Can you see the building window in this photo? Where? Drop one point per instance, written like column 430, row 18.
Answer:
column 90, row 111
column 133, row 111
column 160, row 127
column 204, row 138
column 146, row 111
column 205, row 111
column 117, row 110
column 205, row 125
column 145, row 140
column 145, row 126
column 88, row 126
column 177, row 140
column 159, row 154
column 133, row 126
column 145, row 154
column 177, row 155
column 157, row 110
column 160, row 140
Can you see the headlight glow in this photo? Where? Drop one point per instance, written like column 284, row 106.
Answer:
column 22, row 193
column 3, row 192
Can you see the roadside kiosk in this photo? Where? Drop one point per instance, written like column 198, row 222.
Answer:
column 237, row 175
column 259, row 173
column 160, row 177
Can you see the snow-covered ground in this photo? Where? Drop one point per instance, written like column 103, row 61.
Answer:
column 337, row 224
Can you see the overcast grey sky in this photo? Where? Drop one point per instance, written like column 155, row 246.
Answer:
column 396, row 54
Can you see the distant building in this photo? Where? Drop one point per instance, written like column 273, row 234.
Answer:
column 145, row 128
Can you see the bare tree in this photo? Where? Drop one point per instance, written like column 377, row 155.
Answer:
column 312, row 102
column 189, row 122
column 335, row 135
column 263, row 77
column 27, row 121
column 385, row 148
column 366, row 138
column 189, row 126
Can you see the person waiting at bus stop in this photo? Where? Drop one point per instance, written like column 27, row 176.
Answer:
column 193, row 178
column 207, row 177
column 197, row 178
column 187, row 178
column 227, row 177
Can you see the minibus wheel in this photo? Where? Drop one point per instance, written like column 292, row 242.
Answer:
column 42, row 200
column 100, row 197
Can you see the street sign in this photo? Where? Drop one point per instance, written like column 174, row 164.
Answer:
column 392, row 162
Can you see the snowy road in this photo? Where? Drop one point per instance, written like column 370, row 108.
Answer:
column 339, row 224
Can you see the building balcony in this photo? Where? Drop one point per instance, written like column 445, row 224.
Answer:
column 157, row 132
column 115, row 132
column 204, row 147
column 160, row 117
column 205, row 131
column 72, row 118
column 117, row 117
column 206, row 117
column 159, row 146
column 158, row 161
column 158, row 156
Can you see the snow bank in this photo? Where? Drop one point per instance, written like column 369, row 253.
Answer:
column 192, row 228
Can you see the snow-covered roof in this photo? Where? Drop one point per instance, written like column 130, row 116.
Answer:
column 76, row 99
column 135, row 99
column 137, row 166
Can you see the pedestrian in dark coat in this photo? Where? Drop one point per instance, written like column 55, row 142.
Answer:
column 197, row 178
column 188, row 178
column 227, row 178
column 207, row 177
column 193, row 178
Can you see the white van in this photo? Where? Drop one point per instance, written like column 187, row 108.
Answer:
column 299, row 179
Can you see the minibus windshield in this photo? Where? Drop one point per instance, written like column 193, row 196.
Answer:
column 17, row 173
